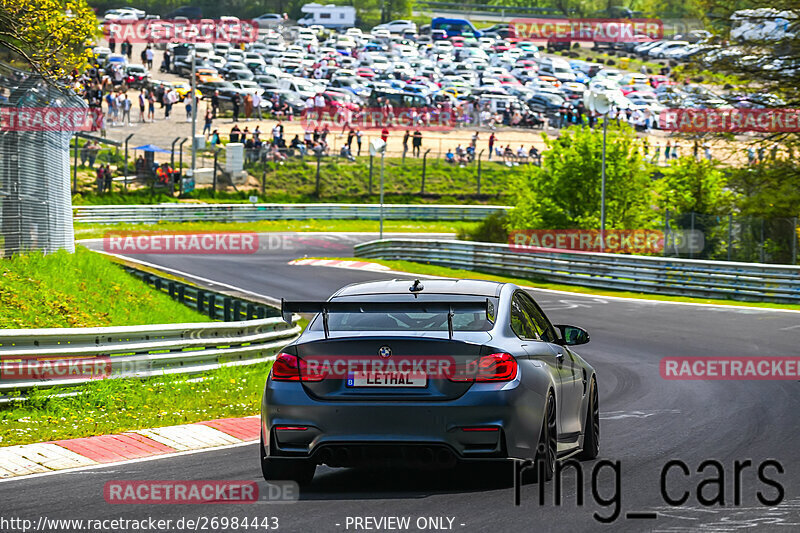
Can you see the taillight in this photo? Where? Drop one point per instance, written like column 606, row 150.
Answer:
column 289, row 367
column 497, row 367
column 286, row 368
column 493, row 367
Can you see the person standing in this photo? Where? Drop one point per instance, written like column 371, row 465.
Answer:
column 248, row 106
column 358, row 141
column 257, row 106
column 108, row 178
column 492, row 140
column 151, row 107
column 126, row 110
column 101, row 179
column 406, row 137
column 112, row 43
column 142, row 105
column 667, row 151
column 215, row 103
column 656, row 154
column 236, row 101
column 350, row 136
column 416, row 143
column 149, row 55
column 385, row 134
column 165, row 64
column 208, row 120
column 128, row 49
column 188, row 105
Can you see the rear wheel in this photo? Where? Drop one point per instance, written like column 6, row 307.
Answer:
column 591, row 428
column 300, row 471
column 547, row 449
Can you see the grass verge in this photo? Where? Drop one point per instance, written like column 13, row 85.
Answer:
column 83, row 289
column 89, row 231
column 434, row 270
column 117, row 405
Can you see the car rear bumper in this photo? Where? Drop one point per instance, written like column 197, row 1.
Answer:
column 489, row 421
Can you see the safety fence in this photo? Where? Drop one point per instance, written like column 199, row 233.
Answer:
column 658, row 275
column 151, row 214
column 41, row 358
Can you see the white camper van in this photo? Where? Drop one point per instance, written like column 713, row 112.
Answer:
column 329, row 16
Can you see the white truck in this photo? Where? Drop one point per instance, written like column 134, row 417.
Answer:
column 328, row 16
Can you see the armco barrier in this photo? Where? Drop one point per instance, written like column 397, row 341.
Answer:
column 151, row 214
column 658, row 275
column 252, row 333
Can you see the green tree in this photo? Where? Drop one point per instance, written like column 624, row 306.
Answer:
column 694, row 185
column 51, row 36
column 565, row 192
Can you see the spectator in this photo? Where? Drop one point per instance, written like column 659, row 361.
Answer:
column 151, row 106
column 101, row 179
column 346, row 153
column 256, row 101
column 165, row 63
column 416, row 143
column 248, row 106
column 108, row 177
column 406, row 136
column 350, row 136
column 209, row 118
column 126, row 110
column 707, row 150
column 214, row 139
column 149, row 55
column 534, row 155
column 235, row 132
column 656, row 154
column 358, row 141
column 449, row 156
column 522, row 155
column 492, row 140
column 667, row 151
column 188, row 105
column 236, row 101
column 215, row 103
column 385, row 134
column 128, row 49
column 142, row 105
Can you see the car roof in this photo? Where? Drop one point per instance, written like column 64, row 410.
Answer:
column 467, row 287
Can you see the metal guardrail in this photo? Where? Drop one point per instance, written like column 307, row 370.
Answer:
column 151, row 214
column 252, row 333
column 656, row 275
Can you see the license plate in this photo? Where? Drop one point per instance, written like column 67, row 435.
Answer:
column 387, row 379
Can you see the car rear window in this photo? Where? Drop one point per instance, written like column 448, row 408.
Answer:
column 408, row 321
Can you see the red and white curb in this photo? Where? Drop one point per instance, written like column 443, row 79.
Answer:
column 27, row 459
column 340, row 263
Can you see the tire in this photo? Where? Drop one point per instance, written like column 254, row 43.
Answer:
column 591, row 431
column 547, row 449
column 297, row 470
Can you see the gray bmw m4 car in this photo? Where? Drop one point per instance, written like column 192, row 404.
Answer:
column 427, row 373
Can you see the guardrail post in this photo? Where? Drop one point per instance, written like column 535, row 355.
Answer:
column 226, row 309
column 171, row 289
column 237, row 310
column 157, row 284
column 212, row 306
column 250, row 311
column 200, row 297
column 182, row 294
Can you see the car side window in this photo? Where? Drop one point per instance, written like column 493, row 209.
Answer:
column 521, row 322
column 543, row 325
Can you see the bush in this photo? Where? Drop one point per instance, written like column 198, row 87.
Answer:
column 492, row 229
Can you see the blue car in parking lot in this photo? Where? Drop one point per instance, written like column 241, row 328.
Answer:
column 427, row 375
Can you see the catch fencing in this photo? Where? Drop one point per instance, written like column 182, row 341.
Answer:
column 655, row 275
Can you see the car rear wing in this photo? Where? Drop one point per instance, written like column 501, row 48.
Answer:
column 412, row 306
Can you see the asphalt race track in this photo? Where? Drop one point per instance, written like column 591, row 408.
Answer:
column 646, row 421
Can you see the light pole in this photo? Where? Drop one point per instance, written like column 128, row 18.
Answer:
column 383, row 155
column 599, row 102
column 194, row 109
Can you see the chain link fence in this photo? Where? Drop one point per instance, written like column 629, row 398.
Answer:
column 738, row 238
column 35, row 200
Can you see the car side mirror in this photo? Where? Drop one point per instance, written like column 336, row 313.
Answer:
column 572, row 335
